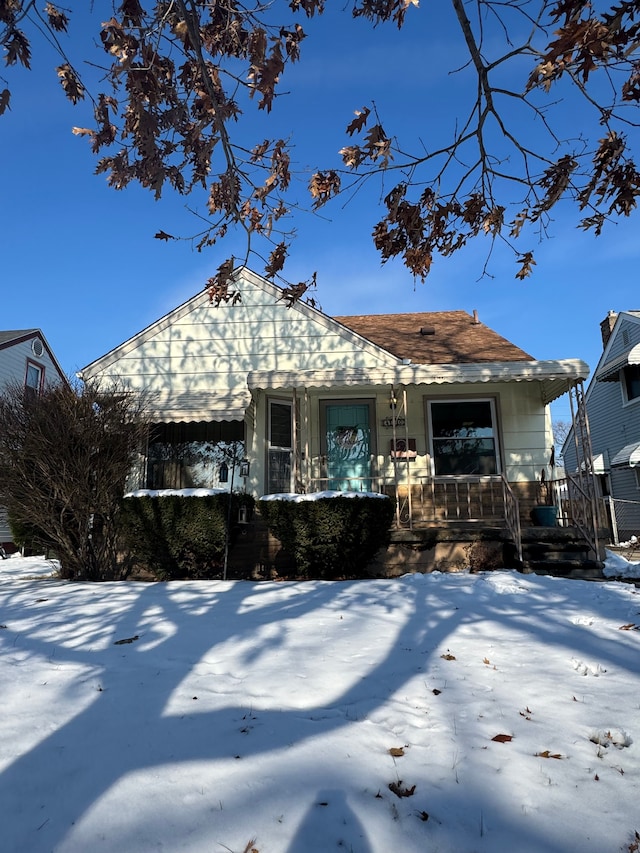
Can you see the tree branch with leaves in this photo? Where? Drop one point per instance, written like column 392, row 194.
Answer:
column 180, row 77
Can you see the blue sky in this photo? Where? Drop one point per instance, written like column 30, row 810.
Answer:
column 79, row 260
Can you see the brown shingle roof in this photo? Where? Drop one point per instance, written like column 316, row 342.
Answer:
column 455, row 337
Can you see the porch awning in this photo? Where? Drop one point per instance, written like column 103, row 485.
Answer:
column 555, row 377
column 599, row 464
column 198, row 406
column 610, row 371
column 628, row 457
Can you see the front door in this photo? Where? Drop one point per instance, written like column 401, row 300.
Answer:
column 348, row 447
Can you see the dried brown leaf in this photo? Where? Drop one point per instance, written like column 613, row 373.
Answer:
column 400, row 791
column 502, row 738
column 356, row 125
column 396, row 751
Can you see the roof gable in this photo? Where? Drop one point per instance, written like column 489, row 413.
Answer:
column 437, row 337
column 14, row 337
column 623, row 343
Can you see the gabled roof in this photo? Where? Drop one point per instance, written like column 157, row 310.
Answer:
column 609, row 366
column 435, row 337
column 15, row 335
column 11, row 337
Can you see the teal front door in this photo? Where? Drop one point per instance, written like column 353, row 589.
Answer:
column 348, row 446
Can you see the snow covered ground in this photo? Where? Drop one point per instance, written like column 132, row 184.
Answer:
column 452, row 713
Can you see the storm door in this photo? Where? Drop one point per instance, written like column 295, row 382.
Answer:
column 347, row 444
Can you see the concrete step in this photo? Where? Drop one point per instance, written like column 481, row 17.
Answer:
column 576, row 569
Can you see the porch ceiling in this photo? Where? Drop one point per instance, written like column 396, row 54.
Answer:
column 555, row 377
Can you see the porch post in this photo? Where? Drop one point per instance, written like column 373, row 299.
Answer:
column 307, row 455
column 407, row 457
column 294, row 439
column 394, row 403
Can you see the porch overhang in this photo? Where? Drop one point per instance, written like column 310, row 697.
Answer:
column 610, row 372
column 201, row 406
column 555, row 377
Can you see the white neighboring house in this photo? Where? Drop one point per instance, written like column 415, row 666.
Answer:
column 613, row 408
column 25, row 357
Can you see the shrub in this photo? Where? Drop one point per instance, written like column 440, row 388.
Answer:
column 65, row 455
column 330, row 537
column 177, row 537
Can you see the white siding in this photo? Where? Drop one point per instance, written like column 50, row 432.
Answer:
column 204, row 348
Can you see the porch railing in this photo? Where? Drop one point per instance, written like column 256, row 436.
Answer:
column 512, row 516
column 432, row 499
column 578, row 508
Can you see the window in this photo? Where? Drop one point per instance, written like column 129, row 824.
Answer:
column 463, row 437
column 637, row 471
column 190, row 455
column 34, row 377
column 280, row 443
column 631, row 379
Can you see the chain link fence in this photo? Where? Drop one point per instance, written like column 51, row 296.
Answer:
column 623, row 519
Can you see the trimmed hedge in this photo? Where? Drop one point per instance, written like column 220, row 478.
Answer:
column 330, row 537
column 175, row 536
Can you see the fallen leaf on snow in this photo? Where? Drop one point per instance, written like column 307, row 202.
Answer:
column 400, row 791
column 396, row 751
column 448, row 657
column 502, row 738
column 547, row 754
column 127, row 640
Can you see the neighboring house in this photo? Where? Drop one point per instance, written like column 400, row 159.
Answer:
column 433, row 407
column 25, row 358
column 613, row 406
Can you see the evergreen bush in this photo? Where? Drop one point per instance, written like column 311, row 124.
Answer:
column 181, row 537
column 330, row 537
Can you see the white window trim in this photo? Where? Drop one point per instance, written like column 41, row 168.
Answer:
column 279, row 401
column 623, row 388
column 40, row 369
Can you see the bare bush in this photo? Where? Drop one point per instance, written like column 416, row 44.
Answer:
column 65, row 455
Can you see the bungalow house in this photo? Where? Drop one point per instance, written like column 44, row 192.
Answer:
column 613, row 405
column 435, row 409
column 25, row 358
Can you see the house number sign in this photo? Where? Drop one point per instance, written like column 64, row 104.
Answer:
column 388, row 422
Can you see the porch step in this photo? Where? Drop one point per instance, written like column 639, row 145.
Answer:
column 574, row 569
column 558, row 551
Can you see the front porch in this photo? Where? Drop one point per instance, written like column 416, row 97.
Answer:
column 450, row 515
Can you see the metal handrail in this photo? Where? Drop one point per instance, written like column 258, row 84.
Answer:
column 585, row 519
column 512, row 516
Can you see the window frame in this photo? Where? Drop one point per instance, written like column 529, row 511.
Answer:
column 493, row 401
column 625, row 382
column 278, row 448
column 34, row 365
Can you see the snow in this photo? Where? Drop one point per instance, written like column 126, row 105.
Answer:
column 295, row 497
column 618, row 566
column 202, row 716
column 182, row 493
